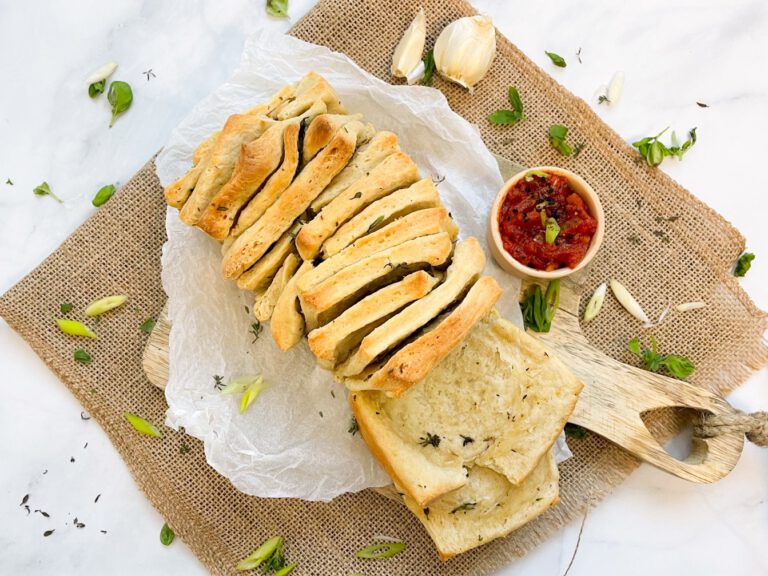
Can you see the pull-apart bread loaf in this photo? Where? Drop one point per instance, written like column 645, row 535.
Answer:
column 329, row 223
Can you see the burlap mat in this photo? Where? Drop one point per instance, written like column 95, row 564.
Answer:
column 661, row 260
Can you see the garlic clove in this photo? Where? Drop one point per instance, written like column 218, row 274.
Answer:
column 465, row 49
column 408, row 53
column 615, row 88
column 102, row 73
column 628, row 302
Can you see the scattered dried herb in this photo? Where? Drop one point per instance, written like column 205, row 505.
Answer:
column 558, row 61
column 9, row 181
column 255, row 331
column 142, row 426
column 149, row 74
column 357, row 195
column 577, row 149
column 678, row 366
column 44, row 189
column 353, row 426
column 43, row 513
column 429, row 68
column 96, row 500
column 702, row 105
column 277, row 8
column 48, row 532
column 78, row 524
column 575, row 431
column 506, row 117
column 557, row 135
column 466, row 440
column 464, row 507
column 184, row 448
column 578, row 54
column 103, row 195
column 167, row 535
column 148, row 325
column 430, row 440
column 24, row 500
column 380, row 550
column 374, row 224
column 539, row 307
column 82, row 356
column 743, row 264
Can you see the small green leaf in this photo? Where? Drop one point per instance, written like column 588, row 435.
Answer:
column 66, row 308
column 148, row 325
column 744, row 264
column 45, row 190
column 261, row 554
column 552, row 230
column 381, row 550
column 74, row 328
column 557, row 135
column 634, row 346
column 120, row 96
column 514, row 99
column 142, row 426
column 678, row 366
column 167, row 535
column 503, row 117
column 105, row 305
column 429, row 68
column 558, row 61
column 575, row 431
column 277, row 8
column 97, row 88
column 103, row 195
column 82, row 356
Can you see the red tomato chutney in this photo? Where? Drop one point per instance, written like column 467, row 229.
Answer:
column 522, row 226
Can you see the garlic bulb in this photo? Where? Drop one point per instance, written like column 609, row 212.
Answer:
column 465, row 49
column 408, row 53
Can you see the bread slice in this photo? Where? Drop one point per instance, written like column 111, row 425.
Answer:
column 414, row 361
column 366, row 158
column 320, row 131
column 487, row 507
column 468, row 262
column 287, row 323
column 396, row 171
column 418, row 196
column 253, row 243
column 422, row 223
column 334, row 340
column 274, row 186
column 330, row 297
column 310, row 89
column 265, row 303
column 258, row 276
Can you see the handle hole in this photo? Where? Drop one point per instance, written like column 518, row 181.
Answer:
column 672, row 427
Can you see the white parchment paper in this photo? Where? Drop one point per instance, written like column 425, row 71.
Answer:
column 293, row 441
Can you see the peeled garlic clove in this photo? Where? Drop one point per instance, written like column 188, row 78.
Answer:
column 411, row 46
column 102, row 73
column 628, row 301
column 417, row 73
column 615, row 88
column 688, row 306
column 595, row 303
column 465, row 49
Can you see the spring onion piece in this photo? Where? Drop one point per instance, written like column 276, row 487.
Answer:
column 552, row 230
column 628, row 301
column 142, row 426
column 381, row 550
column 105, row 305
column 261, row 554
column 595, row 303
column 287, row 569
column 688, row 306
column 74, row 328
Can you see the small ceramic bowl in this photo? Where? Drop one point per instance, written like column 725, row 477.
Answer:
column 508, row 263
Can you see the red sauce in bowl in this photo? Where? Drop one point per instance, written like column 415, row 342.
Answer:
column 523, row 230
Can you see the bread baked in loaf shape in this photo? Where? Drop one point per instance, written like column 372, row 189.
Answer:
column 395, row 171
column 333, row 341
column 366, row 158
column 399, row 203
column 265, row 302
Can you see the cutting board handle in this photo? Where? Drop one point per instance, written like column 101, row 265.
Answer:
column 616, row 395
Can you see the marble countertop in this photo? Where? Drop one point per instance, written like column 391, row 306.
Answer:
column 674, row 53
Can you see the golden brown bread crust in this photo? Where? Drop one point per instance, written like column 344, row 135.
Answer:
column 254, row 242
column 258, row 276
column 396, row 171
column 320, row 131
column 264, row 304
column 413, row 362
column 177, row 193
column 287, row 323
column 310, row 89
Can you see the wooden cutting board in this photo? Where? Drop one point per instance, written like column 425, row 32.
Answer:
column 614, row 398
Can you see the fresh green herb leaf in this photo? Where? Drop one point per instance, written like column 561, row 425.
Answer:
column 277, row 8
column 654, row 151
column 430, row 440
column 575, row 431
column 261, row 554
column 66, row 308
column 558, row 61
column 429, row 68
column 552, row 230
column 354, row 428
column 557, row 135
column 148, row 325
column 381, row 550
column 142, row 426
column 374, row 224
column 744, row 264
column 464, row 507
column 82, row 356
column 97, row 88
column 45, row 190
column 74, row 328
column 677, row 366
column 120, row 96
column 505, row 117
column 104, row 194
column 105, row 305
column 255, row 331
column 167, row 535
column 539, row 308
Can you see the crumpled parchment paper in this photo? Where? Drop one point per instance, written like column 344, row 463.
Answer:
column 293, row 441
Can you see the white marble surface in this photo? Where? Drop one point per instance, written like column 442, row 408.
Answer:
column 674, row 53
